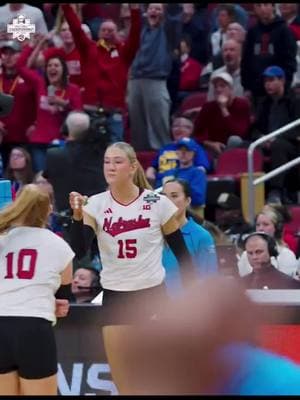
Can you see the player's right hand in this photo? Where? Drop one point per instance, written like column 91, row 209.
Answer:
column 77, row 201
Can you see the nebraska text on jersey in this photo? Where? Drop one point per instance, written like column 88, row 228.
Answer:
column 115, row 228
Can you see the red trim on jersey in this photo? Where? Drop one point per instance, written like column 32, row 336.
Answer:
column 141, row 190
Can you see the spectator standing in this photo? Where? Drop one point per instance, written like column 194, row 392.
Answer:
column 290, row 13
column 190, row 71
column 231, row 54
column 93, row 14
column 71, row 55
column 13, row 127
column 241, row 14
column 55, row 98
column 124, row 24
column 225, row 16
column 148, row 97
column 268, row 42
column 105, row 66
column 196, row 28
column 237, row 32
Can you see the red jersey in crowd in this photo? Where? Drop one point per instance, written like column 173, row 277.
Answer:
column 73, row 62
column 48, row 118
column 190, row 71
column 105, row 69
column 105, row 11
column 23, row 113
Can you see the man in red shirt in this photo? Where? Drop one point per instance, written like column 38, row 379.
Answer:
column 225, row 116
column 105, row 65
column 13, row 127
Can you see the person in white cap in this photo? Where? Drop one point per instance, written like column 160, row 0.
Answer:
column 224, row 117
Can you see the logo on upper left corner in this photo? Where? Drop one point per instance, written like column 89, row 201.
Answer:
column 21, row 28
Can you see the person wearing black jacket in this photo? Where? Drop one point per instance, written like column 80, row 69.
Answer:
column 276, row 109
column 78, row 165
column 269, row 42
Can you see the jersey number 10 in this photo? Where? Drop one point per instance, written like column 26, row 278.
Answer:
column 22, row 273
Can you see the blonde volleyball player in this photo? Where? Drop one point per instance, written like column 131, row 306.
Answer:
column 131, row 223
column 36, row 267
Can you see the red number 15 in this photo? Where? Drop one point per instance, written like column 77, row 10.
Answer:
column 127, row 248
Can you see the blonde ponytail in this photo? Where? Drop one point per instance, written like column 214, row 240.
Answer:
column 30, row 208
column 140, row 179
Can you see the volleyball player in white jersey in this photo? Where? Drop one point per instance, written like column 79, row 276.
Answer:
column 36, row 266
column 131, row 223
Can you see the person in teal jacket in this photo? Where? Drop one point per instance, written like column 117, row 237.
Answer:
column 198, row 240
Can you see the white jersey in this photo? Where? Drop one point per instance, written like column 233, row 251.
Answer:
column 130, row 239
column 31, row 261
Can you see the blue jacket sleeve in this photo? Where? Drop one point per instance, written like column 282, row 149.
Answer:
column 201, row 159
column 206, row 254
column 198, row 184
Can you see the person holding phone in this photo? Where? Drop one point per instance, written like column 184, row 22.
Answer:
column 56, row 97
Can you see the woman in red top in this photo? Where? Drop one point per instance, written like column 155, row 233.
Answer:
column 56, row 97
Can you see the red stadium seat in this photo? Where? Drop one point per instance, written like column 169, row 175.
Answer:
column 231, row 164
column 193, row 103
column 146, row 157
column 234, row 162
column 294, row 225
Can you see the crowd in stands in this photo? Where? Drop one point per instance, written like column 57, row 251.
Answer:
column 95, row 74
